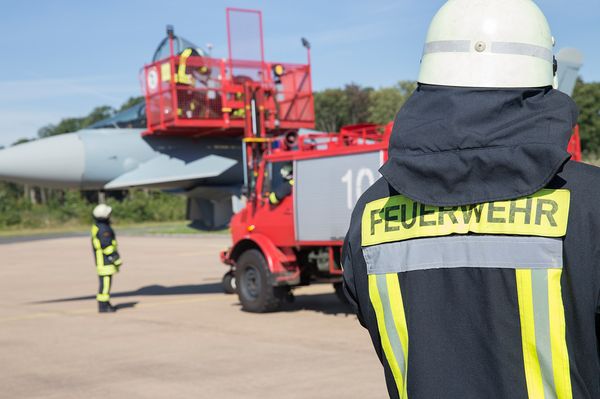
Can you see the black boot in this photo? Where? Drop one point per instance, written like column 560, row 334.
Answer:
column 106, row 307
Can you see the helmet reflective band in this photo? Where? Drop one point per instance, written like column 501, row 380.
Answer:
column 102, row 211
column 488, row 43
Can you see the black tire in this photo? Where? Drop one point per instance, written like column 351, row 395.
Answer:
column 229, row 283
column 254, row 288
column 339, row 292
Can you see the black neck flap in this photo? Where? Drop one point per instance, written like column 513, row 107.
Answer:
column 458, row 146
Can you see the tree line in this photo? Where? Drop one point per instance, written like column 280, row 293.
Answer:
column 37, row 207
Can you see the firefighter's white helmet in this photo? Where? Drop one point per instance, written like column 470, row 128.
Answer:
column 287, row 171
column 102, row 211
column 488, row 43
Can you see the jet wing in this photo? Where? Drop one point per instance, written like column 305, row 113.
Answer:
column 164, row 171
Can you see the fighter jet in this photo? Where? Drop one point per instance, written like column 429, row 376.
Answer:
column 113, row 154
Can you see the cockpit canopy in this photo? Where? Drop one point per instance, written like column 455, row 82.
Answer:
column 179, row 44
column 135, row 117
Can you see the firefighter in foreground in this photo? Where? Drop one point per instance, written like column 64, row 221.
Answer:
column 475, row 261
column 106, row 255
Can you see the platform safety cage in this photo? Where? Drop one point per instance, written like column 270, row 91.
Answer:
column 209, row 96
column 326, row 190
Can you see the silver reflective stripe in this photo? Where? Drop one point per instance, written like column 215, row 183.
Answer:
column 530, row 50
column 474, row 251
column 541, row 314
column 512, row 48
column 447, row 46
column 390, row 325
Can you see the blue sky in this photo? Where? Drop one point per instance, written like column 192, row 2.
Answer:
column 62, row 58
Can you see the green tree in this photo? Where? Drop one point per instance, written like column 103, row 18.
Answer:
column 331, row 110
column 358, row 101
column 335, row 108
column 131, row 101
column 587, row 97
column 385, row 102
column 69, row 125
column 21, row 141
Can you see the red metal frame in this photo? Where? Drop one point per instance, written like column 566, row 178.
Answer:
column 574, row 147
column 228, row 12
column 218, row 101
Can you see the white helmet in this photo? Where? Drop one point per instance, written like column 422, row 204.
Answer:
column 488, row 43
column 102, row 211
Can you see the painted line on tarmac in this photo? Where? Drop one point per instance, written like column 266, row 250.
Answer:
column 82, row 311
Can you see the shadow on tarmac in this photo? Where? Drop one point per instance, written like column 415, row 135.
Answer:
column 150, row 290
column 125, row 305
column 328, row 304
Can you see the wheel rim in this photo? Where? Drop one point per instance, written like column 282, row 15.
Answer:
column 251, row 282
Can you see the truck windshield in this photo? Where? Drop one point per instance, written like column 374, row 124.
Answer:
column 273, row 177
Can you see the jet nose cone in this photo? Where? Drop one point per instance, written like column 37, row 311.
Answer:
column 52, row 162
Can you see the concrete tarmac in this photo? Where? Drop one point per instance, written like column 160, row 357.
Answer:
column 176, row 334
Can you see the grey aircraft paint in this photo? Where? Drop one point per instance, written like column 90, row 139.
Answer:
column 101, row 159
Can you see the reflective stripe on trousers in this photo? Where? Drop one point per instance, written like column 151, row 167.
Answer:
column 104, row 289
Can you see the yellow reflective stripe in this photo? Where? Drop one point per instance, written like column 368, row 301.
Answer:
column 398, row 218
column 397, row 306
column 543, row 334
column 108, row 270
column 104, row 296
column 99, row 258
column 183, row 77
column 108, row 250
column 273, row 199
column 560, row 354
column 165, row 72
column 106, row 285
column 533, row 372
column 95, row 240
column 378, row 306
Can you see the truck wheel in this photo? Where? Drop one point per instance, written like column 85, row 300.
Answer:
column 339, row 292
column 254, row 289
column 229, row 283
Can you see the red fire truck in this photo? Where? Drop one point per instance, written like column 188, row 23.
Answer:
column 298, row 240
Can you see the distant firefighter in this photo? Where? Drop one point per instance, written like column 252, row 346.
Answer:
column 107, row 257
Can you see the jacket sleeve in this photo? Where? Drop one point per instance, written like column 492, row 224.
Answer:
column 282, row 191
column 349, row 282
column 108, row 243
